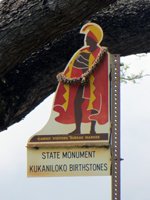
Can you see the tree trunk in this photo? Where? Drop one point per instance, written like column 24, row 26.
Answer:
column 39, row 37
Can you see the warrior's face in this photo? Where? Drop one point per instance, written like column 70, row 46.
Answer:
column 90, row 42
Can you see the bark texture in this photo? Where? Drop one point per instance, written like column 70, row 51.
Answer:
column 25, row 25
column 37, row 38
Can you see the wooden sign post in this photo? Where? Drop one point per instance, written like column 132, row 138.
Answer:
column 82, row 136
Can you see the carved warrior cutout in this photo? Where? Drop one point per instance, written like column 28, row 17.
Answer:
column 82, row 102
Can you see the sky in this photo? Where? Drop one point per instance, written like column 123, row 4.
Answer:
column 135, row 140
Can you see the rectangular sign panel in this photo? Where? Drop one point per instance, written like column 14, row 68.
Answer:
column 75, row 161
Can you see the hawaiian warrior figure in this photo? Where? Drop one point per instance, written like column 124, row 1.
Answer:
column 78, row 103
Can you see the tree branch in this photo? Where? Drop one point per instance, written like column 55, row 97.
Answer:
column 29, row 76
column 26, row 25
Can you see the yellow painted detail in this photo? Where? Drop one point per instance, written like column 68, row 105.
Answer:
column 91, row 60
column 95, row 29
column 68, row 75
column 66, row 97
column 92, row 87
column 92, row 96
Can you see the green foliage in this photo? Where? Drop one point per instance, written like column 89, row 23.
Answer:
column 126, row 76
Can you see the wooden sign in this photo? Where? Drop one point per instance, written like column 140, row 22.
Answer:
column 82, row 161
column 82, row 135
column 81, row 109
